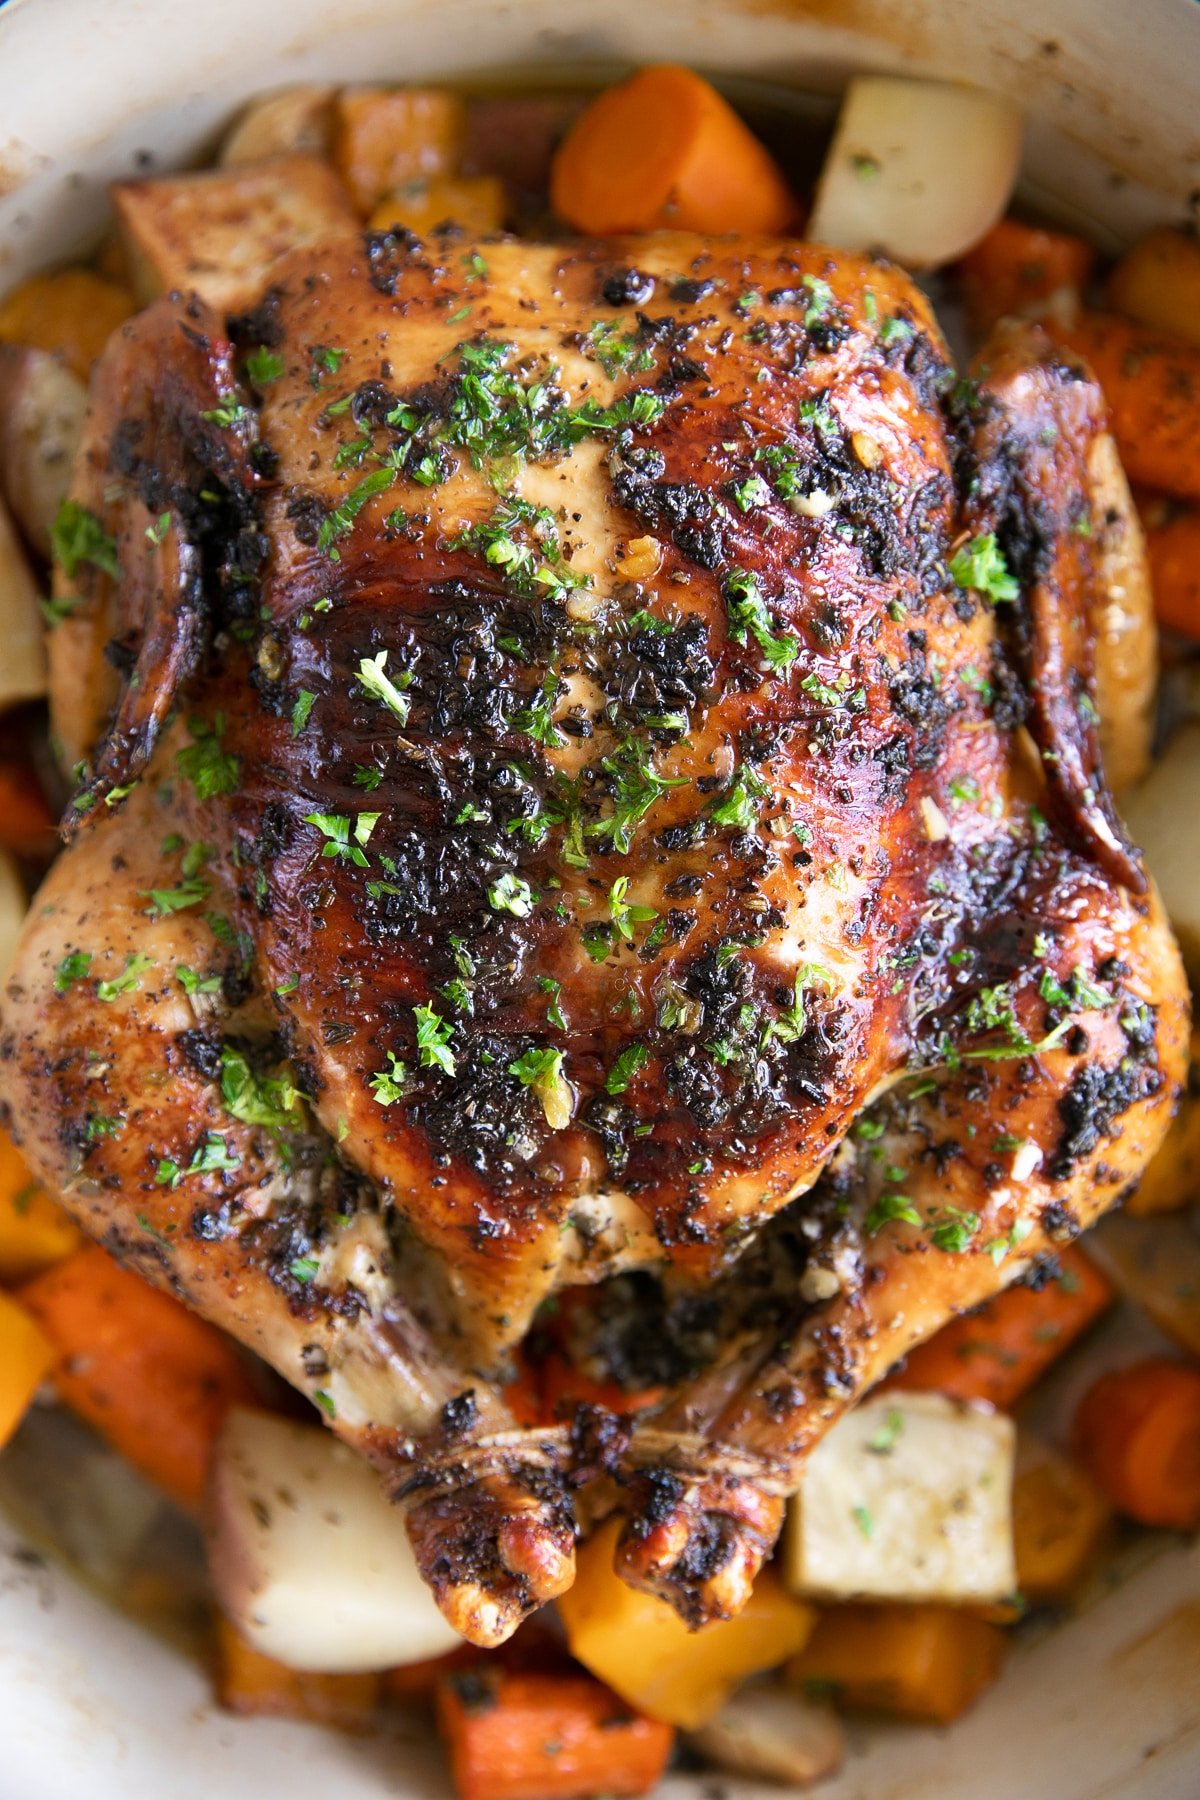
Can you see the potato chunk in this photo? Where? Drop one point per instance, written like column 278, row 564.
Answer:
column 219, row 233
column 1158, row 813
column 909, row 1497
column 295, row 118
column 42, row 407
column 310, row 1561
column 23, row 664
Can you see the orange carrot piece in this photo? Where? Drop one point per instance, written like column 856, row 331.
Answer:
column 1137, row 1432
column 1173, row 546
column 1158, row 283
column 545, row 1737
column 1023, row 269
column 151, row 1377
column 385, row 137
column 926, row 1662
column 997, row 1353
column 257, row 1686
column 73, row 314
column 26, row 823
column 34, row 1231
column 1152, row 384
column 664, row 149
column 417, row 1682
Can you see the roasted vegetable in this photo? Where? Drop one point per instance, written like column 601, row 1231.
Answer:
column 23, row 663
column 71, row 314
column 323, row 1579
column 1026, row 271
column 1157, row 283
column 34, row 1232
column 907, row 1498
column 26, row 1358
column 42, row 406
column 218, row 233
column 151, row 1377
column 664, row 149
column 770, row 1732
column 642, row 1648
column 294, row 118
column 383, row 138
column 925, row 1663
column 1137, row 1432
column 917, row 169
column 259, row 1687
column 531, row 1736
column 1158, row 813
column 1060, row 1519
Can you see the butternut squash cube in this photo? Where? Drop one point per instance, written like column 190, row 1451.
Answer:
column 256, row 1685
column 476, row 202
column 1060, row 1519
column 926, row 1663
column 385, row 137
column 34, row 1231
column 26, row 1358
column 641, row 1647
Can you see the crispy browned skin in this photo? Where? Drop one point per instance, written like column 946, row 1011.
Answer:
column 708, row 811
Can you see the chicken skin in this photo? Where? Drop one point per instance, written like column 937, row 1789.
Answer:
column 590, row 777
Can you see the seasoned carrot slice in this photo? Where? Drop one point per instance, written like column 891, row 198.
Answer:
column 663, row 149
column 1137, row 1432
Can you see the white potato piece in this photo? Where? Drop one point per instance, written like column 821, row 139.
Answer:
column 309, row 1560
column 42, row 407
column 294, row 118
column 1126, row 630
column 13, row 907
column 1159, row 815
column 917, row 169
column 770, row 1732
column 22, row 648
column 909, row 1497
column 219, row 232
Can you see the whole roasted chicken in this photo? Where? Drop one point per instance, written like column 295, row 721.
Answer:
column 589, row 777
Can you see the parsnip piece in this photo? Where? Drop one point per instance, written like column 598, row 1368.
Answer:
column 310, row 1561
column 909, row 1497
column 1155, row 1263
column 295, row 118
column 219, row 233
column 770, row 1732
column 917, row 169
column 42, row 407
column 13, row 907
column 1159, row 815
column 23, row 658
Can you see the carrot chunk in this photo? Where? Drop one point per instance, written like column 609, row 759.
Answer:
column 1173, row 546
column 150, row 1376
column 664, row 149
column 528, row 1736
column 1137, row 1432
column 1152, row 384
column 1025, row 270
column 26, row 824
column 253, row 1684
column 997, row 1353
column 925, row 1663
column 385, row 137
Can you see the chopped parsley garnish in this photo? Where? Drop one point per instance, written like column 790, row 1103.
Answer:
column 1080, row 993
column 263, row 366
column 955, row 1231
column 748, row 617
column 554, row 1012
column 191, row 983
column 379, row 686
column 156, row 533
column 616, row 351
column 740, row 804
column 884, row 1438
column 508, row 893
column 635, row 786
column 72, row 968
column 542, row 1071
column 212, row 1156
column 537, row 719
column 327, row 358
column 336, row 828
column 624, row 914
column 268, row 1100
column 77, row 536
column 821, row 300
column 129, row 978
column 791, row 1024
column 980, row 565
column 227, row 412
column 894, row 330
column 303, row 1268
column 338, row 522
column 301, row 709
column 631, row 1059
column 388, row 1084
column 433, row 1037
column 210, row 769
column 751, row 493
column 863, row 1519
column 164, row 901
column 887, row 1208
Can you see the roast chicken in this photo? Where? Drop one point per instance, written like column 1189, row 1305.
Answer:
column 589, row 777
